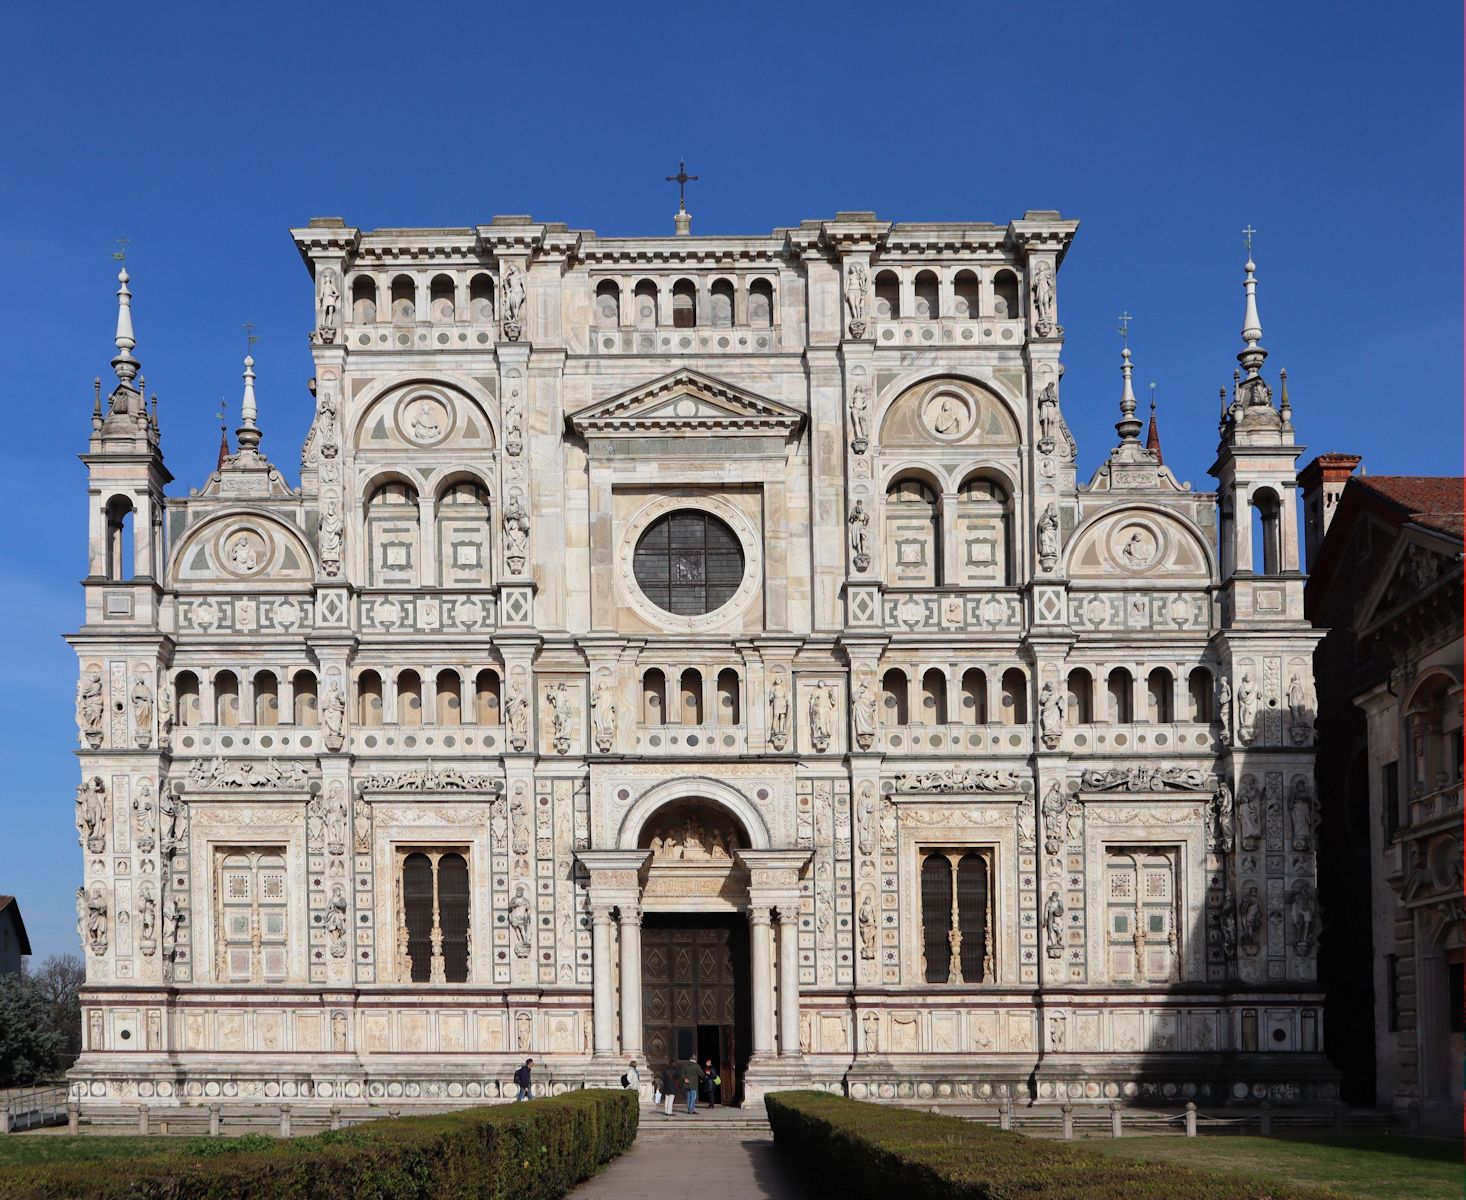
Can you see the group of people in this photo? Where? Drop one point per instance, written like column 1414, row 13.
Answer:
column 684, row 1077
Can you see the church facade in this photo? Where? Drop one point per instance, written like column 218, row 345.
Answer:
column 695, row 646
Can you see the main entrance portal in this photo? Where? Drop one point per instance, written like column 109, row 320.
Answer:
column 695, row 996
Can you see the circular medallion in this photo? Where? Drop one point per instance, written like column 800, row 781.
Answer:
column 1135, row 547
column 948, row 415
column 424, row 420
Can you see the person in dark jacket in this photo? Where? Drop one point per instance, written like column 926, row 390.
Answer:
column 690, row 1078
column 711, row 1081
column 670, row 1079
column 523, row 1082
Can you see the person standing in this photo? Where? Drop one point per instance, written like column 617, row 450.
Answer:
column 523, row 1081
column 670, row 1078
column 691, row 1080
column 632, row 1078
column 711, row 1081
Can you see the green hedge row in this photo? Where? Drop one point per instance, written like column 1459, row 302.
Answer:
column 534, row 1151
column 864, row 1151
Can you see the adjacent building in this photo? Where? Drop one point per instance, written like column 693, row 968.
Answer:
column 14, row 944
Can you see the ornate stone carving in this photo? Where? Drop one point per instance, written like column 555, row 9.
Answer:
column 821, row 715
column 333, row 717
column 857, row 292
column 603, row 716
column 336, row 921
column 429, row 778
column 958, row 779
column 1048, row 537
column 779, row 712
column 1050, row 715
column 91, row 814
column 336, row 820
column 863, row 714
column 165, row 714
column 142, row 712
column 1145, row 777
column 147, row 920
column 330, row 300
column 1224, row 709
column 90, row 709
column 145, row 818
column 173, row 917
column 562, row 717
column 217, row 773
column 1222, row 818
column 694, row 842
column 859, row 522
column 865, row 819
column 1044, row 297
column 516, row 533
column 324, row 437
column 1027, row 840
column 91, row 917
column 331, row 528
column 1300, row 710
column 1300, row 815
column 519, row 920
column 511, row 293
column 866, row 923
column 1249, row 920
column 1053, row 917
column 1246, row 710
column 1249, row 812
column 859, row 419
column 1054, row 806
column 513, row 424
column 1303, row 916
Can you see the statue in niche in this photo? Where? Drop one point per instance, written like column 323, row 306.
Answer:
column 1300, row 815
column 821, row 714
column 171, row 817
column 512, row 297
column 1054, row 814
column 694, row 842
column 91, row 909
column 330, row 302
column 331, row 528
column 315, row 825
column 519, row 918
column 336, row 922
column 561, row 718
column 522, row 1025
column 1249, row 812
column 147, row 918
column 1224, row 709
column 142, row 711
column 1050, row 715
column 1043, row 300
column 863, row 715
column 145, row 817
column 871, row 1025
column 91, row 814
column 90, row 708
column 519, row 811
column 1246, row 710
column 172, row 919
column 778, row 713
column 516, row 716
column 1303, row 915
column 1054, row 925
column 859, row 522
column 1048, row 537
column 166, row 715
column 326, row 424
column 333, row 716
column 1228, row 929
column 603, row 716
column 1299, row 705
column 857, row 289
column 866, row 921
column 1249, row 919
column 513, row 431
column 1048, row 416
column 338, row 1032
column 859, row 418
column 1027, row 839
column 336, row 818
column 889, row 823
column 361, row 826
column 866, row 819
column 1223, row 818
column 242, row 556
column 516, row 533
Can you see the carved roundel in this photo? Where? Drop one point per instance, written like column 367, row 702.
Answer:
column 1135, row 546
column 243, row 550
column 423, row 419
column 688, row 562
column 948, row 415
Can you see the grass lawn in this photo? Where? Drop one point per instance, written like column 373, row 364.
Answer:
column 1372, row 1167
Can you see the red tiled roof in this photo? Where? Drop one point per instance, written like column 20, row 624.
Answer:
column 1435, row 501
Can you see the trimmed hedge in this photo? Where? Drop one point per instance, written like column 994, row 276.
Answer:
column 872, row 1152
column 535, row 1151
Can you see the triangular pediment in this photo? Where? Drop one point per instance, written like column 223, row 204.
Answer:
column 688, row 403
column 1417, row 564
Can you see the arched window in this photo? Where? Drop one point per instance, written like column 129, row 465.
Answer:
column 409, row 698
column 441, row 301
column 722, row 304
column 1015, row 697
column 433, row 915
column 481, row 298
column 186, row 694
column 1266, row 539
column 369, row 699
column 974, row 697
column 1081, row 697
column 448, row 699
column 644, row 303
column 761, row 304
column 307, row 705
column 933, row 698
column 913, row 556
column 689, row 690
column 267, row 698
column 1199, row 691
column 463, row 534
column 486, row 698
column 392, row 520
column 984, row 532
column 404, row 299
column 956, row 916
column 729, row 709
column 965, row 302
column 1005, row 296
column 888, row 296
column 1122, row 697
column 1159, row 704
column 226, row 699
column 654, row 697
column 894, row 706
column 684, row 304
column 1434, row 729
column 120, row 532
column 928, row 296
column 608, row 304
column 364, row 300
column 453, row 908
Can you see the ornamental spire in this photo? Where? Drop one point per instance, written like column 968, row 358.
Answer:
column 1128, row 425
column 1153, row 435
column 1252, row 353
column 247, row 436
column 124, row 364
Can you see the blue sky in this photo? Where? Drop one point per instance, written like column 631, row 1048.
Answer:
column 202, row 132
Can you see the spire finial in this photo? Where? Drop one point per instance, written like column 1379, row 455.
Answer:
column 1252, row 353
column 682, row 221
column 124, row 364
column 1285, row 406
column 247, row 436
column 1153, row 435
column 1128, row 425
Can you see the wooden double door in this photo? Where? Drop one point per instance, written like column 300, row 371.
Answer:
column 694, row 993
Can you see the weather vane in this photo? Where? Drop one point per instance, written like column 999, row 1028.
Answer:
column 681, row 179
column 1125, row 318
column 223, row 404
column 1247, row 235
column 1152, row 395
column 120, row 254
column 249, row 335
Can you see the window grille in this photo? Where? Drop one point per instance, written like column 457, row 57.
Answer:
column 688, row 563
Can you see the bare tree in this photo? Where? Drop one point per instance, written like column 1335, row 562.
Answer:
column 59, row 980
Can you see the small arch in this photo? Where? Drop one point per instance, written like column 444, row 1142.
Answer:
column 121, row 530
column 984, row 530
column 448, row 698
column 1159, row 697
column 267, row 698
column 966, row 296
column 1081, row 697
column 695, row 829
column 729, row 707
column 644, row 304
column 974, row 697
column 392, row 522
column 409, row 698
column 1200, row 692
column 933, row 697
column 608, row 304
column 369, row 699
column 462, row 521
column 306, row 702
column 1266, row 532
column 1005, row 296
column 642, row 816
column 186, row 695
column 1121, row 690
column 481, row 298
column 912, row 533
column 441, row 299
column 226, row 699
column 1015, row 697
column 760, row 304
column 684, row 304
column 722, row 304
column 894, row 700
column 689, row 691
column 486, row 698
column 927, row 296
column 888, row 296
column 364, row 300
column 404, row 298
column 654, row 697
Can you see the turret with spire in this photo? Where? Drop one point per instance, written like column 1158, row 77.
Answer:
column 1133, row 464
column 251, row 473
column 126, row 424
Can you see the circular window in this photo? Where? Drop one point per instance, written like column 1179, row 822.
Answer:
column 688, row 563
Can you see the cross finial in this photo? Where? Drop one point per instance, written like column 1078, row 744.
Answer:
column 249, row 335
column 681, row 179
column 120, row 254
column 1125, row 318
column 1247, row 235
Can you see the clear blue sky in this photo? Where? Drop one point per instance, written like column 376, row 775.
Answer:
column 202, row 132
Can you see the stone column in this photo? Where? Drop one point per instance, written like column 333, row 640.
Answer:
column 631, row 982
column 760, row 946
column 601, row 999
column 788, row 983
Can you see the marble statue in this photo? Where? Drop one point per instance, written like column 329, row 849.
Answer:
column 866, row 820
column 91, row 907
column 336, row 818
column 1054, row 815
column 512, row 302
column 866, row 920
column 1249, row 919
column 90, row 708
column 172, row 919
column 1224, row 709
column 1043, row 300
column 516, row 716
column 859, row 522
column 145, row 817
column 1299, row 710
column 562, row 718
column 516, row 534
column 1249, row 812
column 330, row 300
column 332, row 527
column 1246, row 710
column 778, row 713
column 821, row 713
column 1050, row 715
column 333, row 716
column 91, row 814
column 1053, row 917
column 1300, row 815
column 147, row 918
column 336, row 922
column 859, row 418
column 863, row 715
column 1048, row 537
column 519, row 919
column 1222, row 818
column 142, row 711
column 603, row 716
column 1048, row 414
column 857, row 292
column 1303, row 915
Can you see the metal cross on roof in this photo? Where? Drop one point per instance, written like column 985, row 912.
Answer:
column 120, row 254
column 681, row 179
column 249, row 335
column 1125, row 318
column 1247, row 233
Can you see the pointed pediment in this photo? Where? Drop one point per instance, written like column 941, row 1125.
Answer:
column 686, row 403
column 1418, row 562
